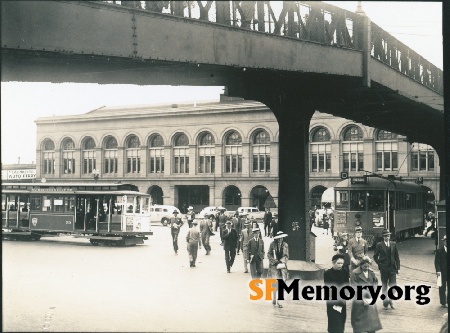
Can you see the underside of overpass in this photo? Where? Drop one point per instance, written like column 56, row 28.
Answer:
column 294, row 79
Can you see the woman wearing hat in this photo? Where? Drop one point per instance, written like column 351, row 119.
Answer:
column 278, row 255
column 364, row 315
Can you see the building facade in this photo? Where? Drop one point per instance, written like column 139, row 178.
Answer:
column 216, row 154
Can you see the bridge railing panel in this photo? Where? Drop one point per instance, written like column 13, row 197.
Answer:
column 389, row 50
column 307, row 21
column 312, row 21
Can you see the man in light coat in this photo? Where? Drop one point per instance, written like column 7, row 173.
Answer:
column 246, row 235
column 357, row 249
column 193, row 242
column 388, row 260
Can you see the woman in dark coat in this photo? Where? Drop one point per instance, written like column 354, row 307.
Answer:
column 364, row 316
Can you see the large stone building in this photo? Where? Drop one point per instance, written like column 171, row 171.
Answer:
column 216, row 153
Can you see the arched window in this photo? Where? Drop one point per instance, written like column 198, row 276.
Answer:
column 233, row 153
column 261, row 151
column 321, row 135
column 181, row 154
column 133, row 154
column 89, row 160
column 206, row 153
column 233, row 139
column 156, row 141
column 385, row 135
column 156, row 154
column 181, row 140
column 386, row 147
column 48, row 157
column 320, row 149
column 68, row 165
column 353, row 149
column 110, row 162
column 422, row 157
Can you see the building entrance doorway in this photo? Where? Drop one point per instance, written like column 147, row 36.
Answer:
column 157, row 195
column 196, row 196
column 316, row 196
column 232, row 197
column 258, row 197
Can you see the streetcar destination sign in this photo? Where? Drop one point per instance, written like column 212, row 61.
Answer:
column 359, row 180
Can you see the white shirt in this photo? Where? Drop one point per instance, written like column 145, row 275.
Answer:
column 387, row 244
column 366, row 274
column 445, row 248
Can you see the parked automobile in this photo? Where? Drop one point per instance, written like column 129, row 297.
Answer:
column 318, row 221
column 162, row 213
column 252, row 212
column 210, row 211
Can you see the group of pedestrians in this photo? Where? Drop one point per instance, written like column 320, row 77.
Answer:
column 236, row 234
column 352, row 266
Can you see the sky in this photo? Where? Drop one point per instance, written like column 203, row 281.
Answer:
column 416, row 24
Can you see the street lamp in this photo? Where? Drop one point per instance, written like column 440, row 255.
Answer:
column 96, row 174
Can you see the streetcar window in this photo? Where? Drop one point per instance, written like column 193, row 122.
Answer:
column 357, row 200
column 47, row 206
column 130, row 204
column 138, row 204
column 342, row 200
column 58, row 204
column 375, row 200
column 35, row 203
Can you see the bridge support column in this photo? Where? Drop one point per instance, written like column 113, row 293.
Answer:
column 291, row 105
column 294, row 178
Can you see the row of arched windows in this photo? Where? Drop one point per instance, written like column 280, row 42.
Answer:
column 351, row 133
column 180, row 154
column 352, row 151
column 386, row 148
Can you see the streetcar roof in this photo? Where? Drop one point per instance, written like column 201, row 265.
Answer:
column 376, row 183
column 56, row 184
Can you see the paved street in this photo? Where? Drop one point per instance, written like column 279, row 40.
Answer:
column 66, row 284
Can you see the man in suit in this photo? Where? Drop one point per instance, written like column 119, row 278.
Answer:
column 357, row 249
column 222, row 219
column 246, row 235
column 388, row 260
column 255, row 254
column 206, row 232
column 440, row 263
column 237, row 225
column 336, row 310
column 229, row 238
column 175, row 225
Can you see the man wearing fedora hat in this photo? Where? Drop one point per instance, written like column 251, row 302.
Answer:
column 206, row 231
column 190, row 215
column 193, row 242
column 357, row 249
column 440, row 263
column 229, row 238
column 245, row 236
column 388, row 260
column 255, row 254
column 175, row 225
column 278, row 255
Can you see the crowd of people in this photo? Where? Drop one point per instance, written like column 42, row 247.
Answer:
column 237, row 234
column 350, row 266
